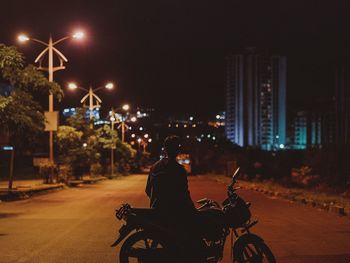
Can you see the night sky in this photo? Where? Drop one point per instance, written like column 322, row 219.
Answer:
column 169, row 54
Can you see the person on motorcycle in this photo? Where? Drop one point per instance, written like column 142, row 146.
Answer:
column 167, row 188
column 167, row 185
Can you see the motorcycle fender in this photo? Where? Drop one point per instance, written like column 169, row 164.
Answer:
column 124, row 231
column 245, row 238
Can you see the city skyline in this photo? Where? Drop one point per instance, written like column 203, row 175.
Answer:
column 182, row 56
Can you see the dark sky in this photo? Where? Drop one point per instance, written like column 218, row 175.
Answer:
column 169, row 54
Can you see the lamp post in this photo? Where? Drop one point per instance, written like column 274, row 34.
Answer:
column 51, row 50
column 91, row 95
column 115, row 119
column 123, row 126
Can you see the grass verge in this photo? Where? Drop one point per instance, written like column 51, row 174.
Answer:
column 307, row 196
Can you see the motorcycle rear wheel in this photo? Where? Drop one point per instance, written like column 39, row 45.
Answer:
column 253, row 250
column 145, row 247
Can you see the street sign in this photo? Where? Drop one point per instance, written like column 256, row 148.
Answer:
column 7, row 148
column 51, row 118
column 38, row 161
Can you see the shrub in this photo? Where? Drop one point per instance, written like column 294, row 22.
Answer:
column 48, row 171
column 95, row 169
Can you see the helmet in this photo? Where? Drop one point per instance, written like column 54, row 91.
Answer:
column 172, row 145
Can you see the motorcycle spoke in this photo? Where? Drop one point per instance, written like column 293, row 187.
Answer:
column 253, row 255
column 146, row 243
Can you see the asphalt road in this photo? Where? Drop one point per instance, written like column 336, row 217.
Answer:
column 78, row 224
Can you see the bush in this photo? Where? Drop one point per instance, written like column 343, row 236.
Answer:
column 95, row 169
column 48, row 172
column 64, row 173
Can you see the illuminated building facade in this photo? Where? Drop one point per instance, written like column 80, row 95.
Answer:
column 256, row 99
column 308, row 130
column 72, row 111
column 342, row 105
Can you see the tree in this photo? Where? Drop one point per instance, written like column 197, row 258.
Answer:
column 79, row 122
column 71, row 149
column 124, row 153
column 20, row 113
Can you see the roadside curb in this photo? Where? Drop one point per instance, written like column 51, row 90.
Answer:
column 20, row 194
column 92, row 180
column 339, row 210
column 331, row 208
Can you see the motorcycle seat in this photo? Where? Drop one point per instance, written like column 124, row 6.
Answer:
column 144, row 211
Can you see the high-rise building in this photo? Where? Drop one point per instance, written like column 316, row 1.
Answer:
column 307, row 130
column 256, row 99
column 342, row 105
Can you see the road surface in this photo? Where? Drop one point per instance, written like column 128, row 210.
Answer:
column 78, row 225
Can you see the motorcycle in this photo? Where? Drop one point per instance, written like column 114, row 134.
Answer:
column 148, row 241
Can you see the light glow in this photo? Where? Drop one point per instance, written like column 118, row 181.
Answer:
column 78, row 35
column 126, row 107
column 23, row 38
column 133, row 119
column 109, row 85
column 72, row 86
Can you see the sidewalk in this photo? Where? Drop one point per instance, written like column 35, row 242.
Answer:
column 21, row 183
column 22, row 189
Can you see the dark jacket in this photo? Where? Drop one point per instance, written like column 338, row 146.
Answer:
column 167, row 186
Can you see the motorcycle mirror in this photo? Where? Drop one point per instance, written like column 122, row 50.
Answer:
column 236, row 173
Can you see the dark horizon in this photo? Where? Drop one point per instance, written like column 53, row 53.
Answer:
column 170, row 55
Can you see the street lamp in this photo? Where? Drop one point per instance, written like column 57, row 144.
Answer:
column 144, row 143
column 51, row 50
column 126, row 107
column 91, row 95
column 123, row 126
column 114, row 119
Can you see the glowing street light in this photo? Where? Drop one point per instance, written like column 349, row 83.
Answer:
column 133, row 119
column 78, row 35
column 109, row 85
column 126, row 107
column 123, row 126
column 23, row 38
column 50, row 50
column 91, row 96
column 72, row 86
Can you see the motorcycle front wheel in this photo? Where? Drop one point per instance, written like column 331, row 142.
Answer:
column 145, row 247
column 252, row 249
